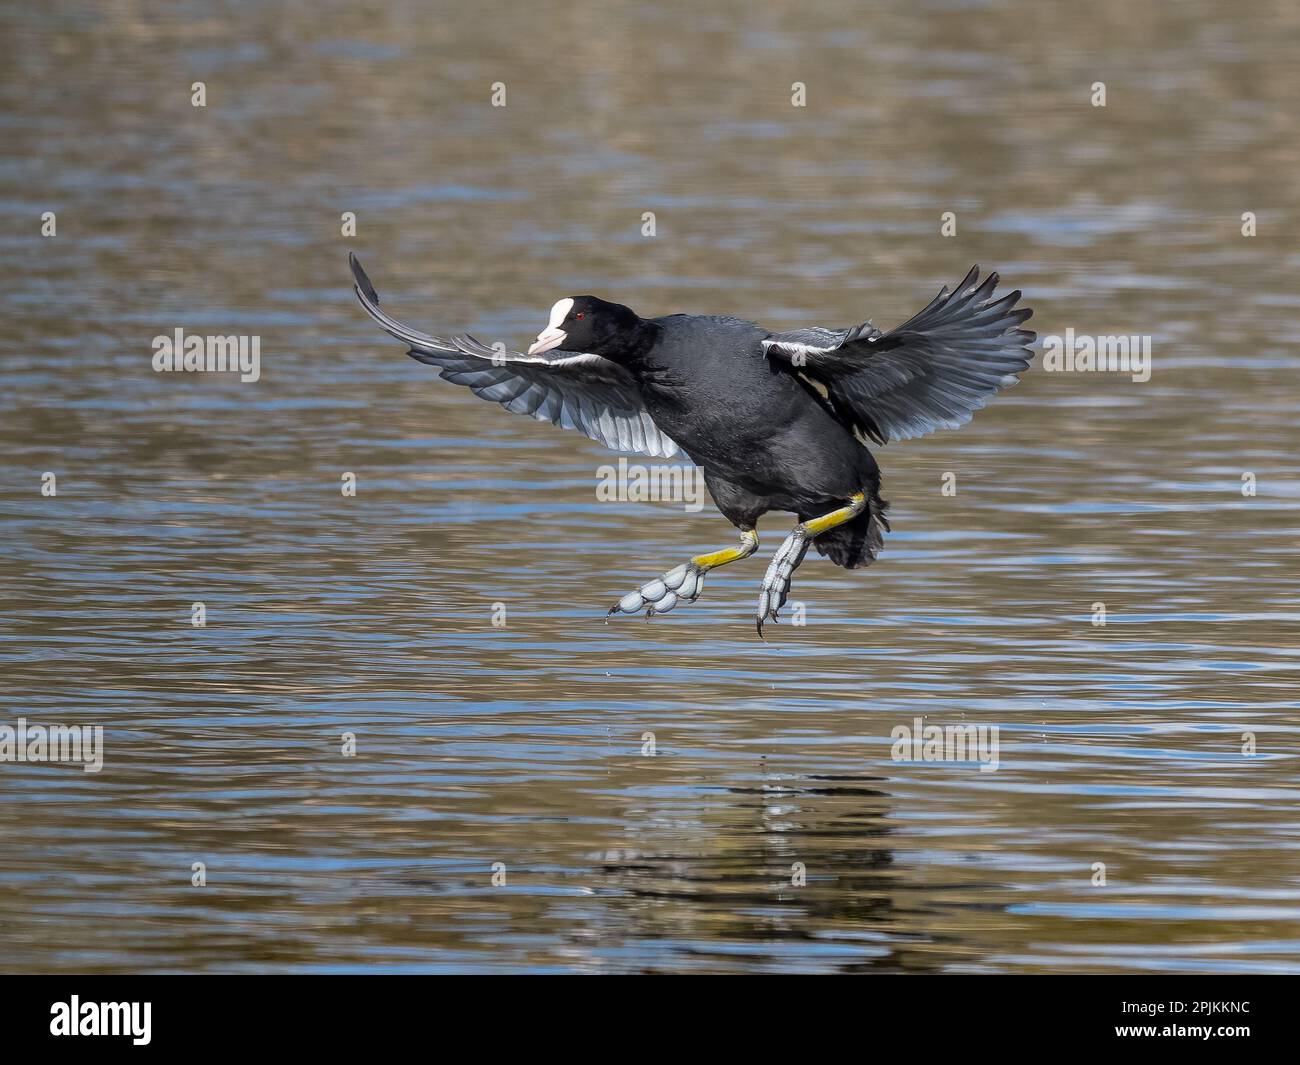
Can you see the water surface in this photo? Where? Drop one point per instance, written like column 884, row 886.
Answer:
column 523, row 744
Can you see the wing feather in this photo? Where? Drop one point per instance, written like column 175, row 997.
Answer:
column 932, row 372
column 573, row 390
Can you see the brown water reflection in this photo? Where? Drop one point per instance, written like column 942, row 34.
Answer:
column 523, row 745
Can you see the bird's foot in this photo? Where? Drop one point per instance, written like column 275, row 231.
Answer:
column 776, row 582
column 680, row 585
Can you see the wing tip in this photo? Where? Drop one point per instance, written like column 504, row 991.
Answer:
column 362, row 279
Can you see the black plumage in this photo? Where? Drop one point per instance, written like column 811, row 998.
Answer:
column 778, row 421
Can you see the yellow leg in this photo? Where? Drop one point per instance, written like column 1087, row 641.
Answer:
column 817, row 526
column 683, row 584
column 714, row 559
column 776, row 583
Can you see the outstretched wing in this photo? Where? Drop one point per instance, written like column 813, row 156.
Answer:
column 584, row 392
column 932, row 372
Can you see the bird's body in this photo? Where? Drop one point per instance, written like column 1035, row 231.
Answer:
column 778, row 421
column 766, row 440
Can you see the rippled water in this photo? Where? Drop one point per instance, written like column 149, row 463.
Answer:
column 524, row 744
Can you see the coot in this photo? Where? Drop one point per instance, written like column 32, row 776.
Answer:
column 778, row 421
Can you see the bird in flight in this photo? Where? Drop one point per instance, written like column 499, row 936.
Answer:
column 778, row 421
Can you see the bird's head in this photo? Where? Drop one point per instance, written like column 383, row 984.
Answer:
column 587, row 324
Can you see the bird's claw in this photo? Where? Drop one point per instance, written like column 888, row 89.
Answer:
column 776, row 582
column 680, row 585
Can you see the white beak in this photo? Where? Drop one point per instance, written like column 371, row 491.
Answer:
column 553, row 336
column 548, row 339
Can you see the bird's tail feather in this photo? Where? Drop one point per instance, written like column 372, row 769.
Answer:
column 856, row 543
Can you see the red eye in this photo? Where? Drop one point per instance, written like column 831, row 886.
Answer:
column 580, row 316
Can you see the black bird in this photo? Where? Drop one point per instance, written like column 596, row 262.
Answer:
column 778, row 421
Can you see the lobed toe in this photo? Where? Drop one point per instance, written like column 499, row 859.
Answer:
column 690, row 586
column 675, row 577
